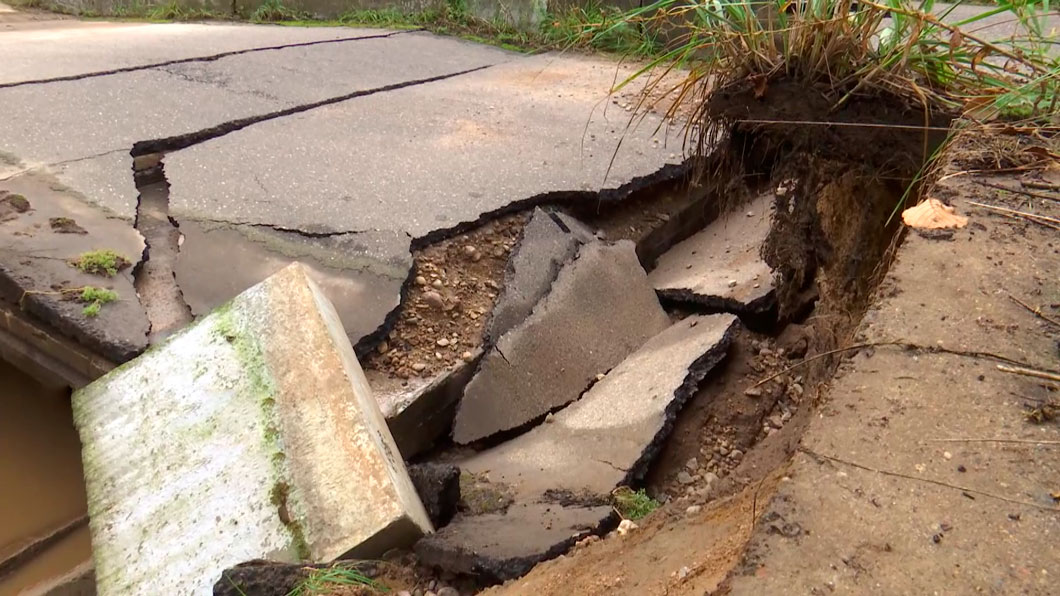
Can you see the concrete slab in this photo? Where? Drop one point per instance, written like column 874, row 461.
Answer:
column 74, row 48
column 560, row 475
column 258, row 414
column 599, row 310
column 360, row 273
column 721, row 267
column 36, row 274
column 438, row 486
column 549, row 241
column 525, row 128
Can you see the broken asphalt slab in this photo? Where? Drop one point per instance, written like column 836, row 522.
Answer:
column 559, row 476
column 38, row 277
column 426, row 156
column 599, row 310
column 550, row 239
column 258, row 414
column 721, row 267
column 361, row 273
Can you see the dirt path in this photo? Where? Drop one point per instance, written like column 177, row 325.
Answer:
column 893, row 488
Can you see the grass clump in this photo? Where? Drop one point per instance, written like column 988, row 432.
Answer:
column 101, row 262
column 633, row 504
column 601, row 28
column 171, row 11
column 275, row 11
column 94, row 299
column 331, row 579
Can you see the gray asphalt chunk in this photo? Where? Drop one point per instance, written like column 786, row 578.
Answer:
column 548, row 242
column 599, row 310
column 36, row 274
column 562, row 472
column 427, row 156
column 361, row 273
column 80, row 48
column 721, row 267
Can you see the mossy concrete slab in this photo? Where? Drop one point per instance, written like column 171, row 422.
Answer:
column 251, row 434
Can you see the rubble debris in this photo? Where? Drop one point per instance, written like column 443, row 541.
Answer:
column 550, row 239
column 269, row 578
column 599, row 310
column 721, row 267
column 604, row 440
column 258, row 414
column 439, row 488
column 933, row 214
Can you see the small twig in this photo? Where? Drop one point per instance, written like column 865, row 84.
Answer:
column 1029, row 372
column 1048, row 222
column 822, row 355
column 1041, row 185
column 929, row 481
column 1028, row 441
column 1037, row 311
column 1036, row 195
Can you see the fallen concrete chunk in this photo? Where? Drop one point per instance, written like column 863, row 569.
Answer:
column 549, row 240
column 251, row 434
column 499, row 547
column 721, row 267
column 439, row 488
column 559, row 476
column 599, row 310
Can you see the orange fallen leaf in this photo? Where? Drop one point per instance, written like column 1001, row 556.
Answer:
column 933, row 214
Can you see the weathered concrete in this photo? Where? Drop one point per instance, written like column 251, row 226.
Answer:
column 721, row 267
column 36, row 274
column 599, row 310
column 258, row 414
column 550, row 240
column 360, row 273
column 438, row 486
column 560, row 474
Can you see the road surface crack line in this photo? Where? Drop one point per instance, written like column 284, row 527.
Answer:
column 277, row 228
column 210, row 58
column 183, row 141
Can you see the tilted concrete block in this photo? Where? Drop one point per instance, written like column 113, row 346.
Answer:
column 251, row 434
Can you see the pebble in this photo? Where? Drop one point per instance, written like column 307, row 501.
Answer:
column 710, row 478
column 404, row 593
column 383, row 347
column 421, row 281
column 736, row 454
column 437, row 283
column 433, row 300
column 732, row 283
column 470, row 250
column 419, row 366
column 776, row 421
column 626, row 526
column 947, row 455
column 682, row 573
column 753, row 392
column 693, row 509
column 550, row 418
column 442, row 342
column 467, row 356
column 684, row 477
column 447, row 591
column 692, row 464
column 432, row 585
column 723, row 450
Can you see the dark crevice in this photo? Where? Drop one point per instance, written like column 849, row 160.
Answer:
column 182, row 141
column 154, row 277
column 210, row 58
column 277, row 228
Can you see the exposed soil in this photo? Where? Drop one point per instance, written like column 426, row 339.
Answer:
column 454, row 286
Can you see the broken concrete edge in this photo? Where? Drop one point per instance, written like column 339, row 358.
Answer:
column 427, row 416
column 700, row 212
column 495, row 570
column 759, row 314
column 438, row 485
column 47, row 356
column 668, row 174
column 697, row 372
column 43, row 312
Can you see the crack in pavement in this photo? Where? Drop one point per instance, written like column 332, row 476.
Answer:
column 209, row 58
column 59, row 163
column 278, row 228
column 183, row 141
